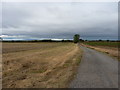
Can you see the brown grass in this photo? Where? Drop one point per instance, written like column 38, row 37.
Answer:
column 39, row 65
column 112, row 51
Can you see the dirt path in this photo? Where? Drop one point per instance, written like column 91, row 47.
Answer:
column 96, row 70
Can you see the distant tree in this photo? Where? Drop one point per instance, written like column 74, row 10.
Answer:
column 99, row 40
column 76, row 38
column 81, row 40
column 63, row 40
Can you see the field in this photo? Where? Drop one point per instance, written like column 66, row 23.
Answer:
column 39, row 65
column 110, row 48
column 0, row 65
column 103, row 43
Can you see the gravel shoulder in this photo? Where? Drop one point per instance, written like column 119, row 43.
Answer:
column 96, row 70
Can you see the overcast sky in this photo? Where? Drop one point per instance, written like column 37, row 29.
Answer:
column 60, row 20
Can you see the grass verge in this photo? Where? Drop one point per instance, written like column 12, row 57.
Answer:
column 111, row 51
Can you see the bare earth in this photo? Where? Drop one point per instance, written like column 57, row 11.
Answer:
column 96, row 70
column 39, row 65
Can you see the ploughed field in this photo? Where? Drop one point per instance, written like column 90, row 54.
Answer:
column 110, row 48
column 39, row 65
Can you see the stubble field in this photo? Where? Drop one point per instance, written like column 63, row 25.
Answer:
column 39, row 65
column 110, row 48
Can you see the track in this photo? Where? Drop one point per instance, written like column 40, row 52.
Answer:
column 97, row 70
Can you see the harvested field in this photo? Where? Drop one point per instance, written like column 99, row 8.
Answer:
column 110, row 48
column 39, row 65
column 103, row 43
column 0, row 65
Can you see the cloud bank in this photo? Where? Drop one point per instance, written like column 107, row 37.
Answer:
column 60, row 20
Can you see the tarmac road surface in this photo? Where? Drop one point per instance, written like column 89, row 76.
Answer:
column 96, row 70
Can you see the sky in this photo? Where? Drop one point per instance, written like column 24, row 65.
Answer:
column 59, row 20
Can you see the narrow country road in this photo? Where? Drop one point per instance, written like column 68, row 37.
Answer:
column 96, row 70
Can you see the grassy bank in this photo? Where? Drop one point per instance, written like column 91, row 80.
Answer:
column 110, row 48
column 39, row 65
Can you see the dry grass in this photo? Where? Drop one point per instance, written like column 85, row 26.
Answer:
column 112, row 51
column 39, row 65
column 0, row 65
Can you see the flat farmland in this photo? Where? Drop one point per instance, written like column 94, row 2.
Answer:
column 110, row 48
column 39, row 65
column 103, row 43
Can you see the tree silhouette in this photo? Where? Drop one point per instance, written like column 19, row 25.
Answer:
column 76, row 38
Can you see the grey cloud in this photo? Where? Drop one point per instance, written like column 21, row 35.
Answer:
column 60, row 20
